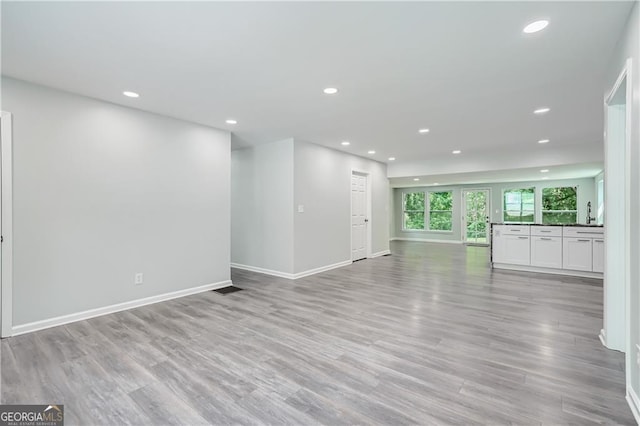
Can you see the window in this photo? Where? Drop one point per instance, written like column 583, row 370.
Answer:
column 560, row 205
column 519, row 205
column 440, row 214
column 413, row 210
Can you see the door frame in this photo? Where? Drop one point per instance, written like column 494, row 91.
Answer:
column 463, row 230
column 367, row 175
column 6, row 226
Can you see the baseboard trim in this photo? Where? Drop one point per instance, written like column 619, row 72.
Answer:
column 603, row 337
column 97, row 312
column 265, row 271
column 634, row 403
column 288, row 275
column 380, row 253
column 321, row 269
column 426, row 240
column 525, row 268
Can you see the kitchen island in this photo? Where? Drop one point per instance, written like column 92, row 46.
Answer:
column 573, row 249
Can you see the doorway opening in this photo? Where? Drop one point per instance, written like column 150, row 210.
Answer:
column 475, row 216
column 6, row 226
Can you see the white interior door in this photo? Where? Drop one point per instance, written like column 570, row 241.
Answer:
column 6, row 221
column 475, row 216
column 359, row 218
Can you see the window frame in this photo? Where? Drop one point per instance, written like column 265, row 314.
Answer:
column 535, row 204
column 424, row 212
column 427, row 217
column 542, row 210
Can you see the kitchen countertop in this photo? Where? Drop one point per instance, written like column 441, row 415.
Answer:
column 550, row 224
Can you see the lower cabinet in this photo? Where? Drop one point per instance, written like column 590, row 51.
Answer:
column 598, row 255
column 516, row 249
column 577, row 254
column 546, row 252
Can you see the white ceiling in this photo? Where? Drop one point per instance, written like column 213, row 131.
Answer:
column 464, row 70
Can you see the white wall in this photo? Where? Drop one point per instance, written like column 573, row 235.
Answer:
column 322, row 184
column 262, row 206
column 102, row 192
column 615, row 321
column 586, row 192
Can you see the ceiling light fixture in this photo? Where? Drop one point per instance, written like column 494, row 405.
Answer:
column 371, row 152
column 392, row 158
column 416, row 179
column 545, row 177
column 346, row 143
column 543, row 141
column 536, row 26
column 457, row 151
column 436, row 184
column 330, row 91
column 423, row 131
column 544, row 171
column 542, row 110
column 231, row 121
column 130, row 94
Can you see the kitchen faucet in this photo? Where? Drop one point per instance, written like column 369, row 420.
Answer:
column 589, row 218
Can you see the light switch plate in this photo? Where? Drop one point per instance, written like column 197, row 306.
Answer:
column 300, row 208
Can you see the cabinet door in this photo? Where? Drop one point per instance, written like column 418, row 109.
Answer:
column 497, row 248
column 598, row 255
column 546, row 252
column 516, row 250
column 577, row 254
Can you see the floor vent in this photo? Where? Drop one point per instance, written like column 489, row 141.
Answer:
column 227, row 290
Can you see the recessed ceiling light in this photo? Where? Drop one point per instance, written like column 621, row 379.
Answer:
column 346, row 143
column 536, row 26
column 416, row 179
column 131, row 94
column 542, row 110
column 231, row 121
column 545, row 177
column 544, row 171
column 436, row 184
column 457, row 151
column 371, row 152
column 392, row 158
column 423, row 131
column 330, row 91
column 543, row 141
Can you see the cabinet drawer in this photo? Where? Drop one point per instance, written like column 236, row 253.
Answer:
column 512, row 229
column 546, row 252
column 583, row 232
column 577, row 253
column 546, row 231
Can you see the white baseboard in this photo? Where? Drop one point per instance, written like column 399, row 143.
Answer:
column 322, row 269
column 92, row 313
column 603, row 337
column 527, row 268
column 634, row 403
column 426, row 240
column 288, row 275
column 380, row 253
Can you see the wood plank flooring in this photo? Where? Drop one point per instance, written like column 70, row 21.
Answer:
column 429, row 335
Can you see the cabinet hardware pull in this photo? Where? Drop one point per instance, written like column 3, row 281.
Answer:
column 545, row 239
column 584, row 241
column 544, row 230
column 515, row 230
column 587, row 232
column 523, row 238
column 599, row 241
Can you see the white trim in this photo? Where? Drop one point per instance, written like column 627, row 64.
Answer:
column 97, row 312
column 265, row 271
column 380, row 253
column 6, row 280
column 603, row 337
column 288, row 275
column 322, row 269
column 634, row 403
column 426, row 240
column 526, row 268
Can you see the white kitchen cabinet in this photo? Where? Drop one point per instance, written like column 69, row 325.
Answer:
column 598, row 255
column 516, row 250
column 546, row 252
column 577, row 253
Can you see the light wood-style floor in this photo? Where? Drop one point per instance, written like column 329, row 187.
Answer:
column 429, row 335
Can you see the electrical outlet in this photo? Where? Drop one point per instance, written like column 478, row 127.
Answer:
column 638, row 355
column 139, row 278
column 300, row 208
